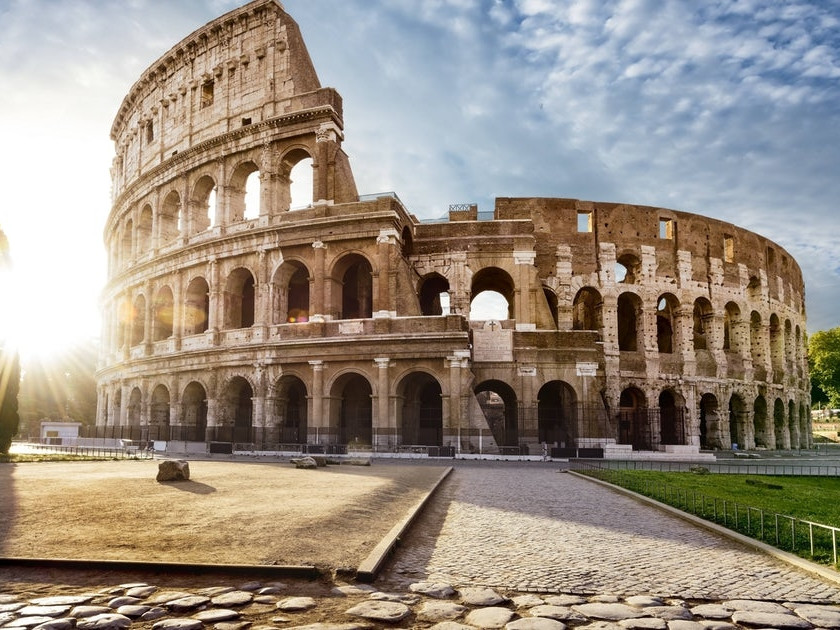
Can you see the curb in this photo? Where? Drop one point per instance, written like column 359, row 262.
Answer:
column 370, row 566
column 786, row 557
column 285, row 571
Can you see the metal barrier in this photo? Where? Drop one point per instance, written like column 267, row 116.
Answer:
column 785, row 532
column 124, row 451
column 758, row 468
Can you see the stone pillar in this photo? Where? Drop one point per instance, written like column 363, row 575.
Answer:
column 258, row 406
column 528, row 420
column 317, row 294
column 565, row 300
column 215, row 319
column 524, row 307
column 456, row 429
column 317, row 425
column 385, row 430
column 384, row 304
column 459, row 288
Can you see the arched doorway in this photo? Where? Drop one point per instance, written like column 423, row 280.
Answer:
column 557, row 414
column 434, row 295
column 737, row 421
column 671, row 420
column 421, row 420
column 194, row 420
column 290, row 410
column 633, row 425
column 781, row 432
column 159, row 420
column 354, row 277
column 236, row 412
column 499, row 405
column 711, row 436
column 492, row 295
column 760, row 422
column 352, row 395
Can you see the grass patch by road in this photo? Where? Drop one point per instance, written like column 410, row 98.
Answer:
column 19, row 458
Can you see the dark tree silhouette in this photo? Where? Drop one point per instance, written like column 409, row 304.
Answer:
column 9, row 386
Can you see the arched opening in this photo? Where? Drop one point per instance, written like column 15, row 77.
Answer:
column 434, row 295
column 804, row 423
column 499, row 405
column 203, row 205
column 194, row 419
column 628, row 317
column 237, row 408
column 671, row 420
column 169, row 218
column 291, row 293
column 243, row 192
column 239, row 299
column 422, row 410
column 356, row 287
column 777, row 347
column 711, row 430
column 789, row 348
column 780, row 428
column 628, row 269
column 498, row 304
column 702, row 318
column 301, row 185
column 407, row 241
column 551, row 301
column 731, row 317
column 197, row 307
column 159, row 418
column 754, row 289
column 162, row 317
column 352, row 394
column 127, row 249
column 138, row 320
column 757, row 346
column 144, row 230
column 557, row 414
column 134, row 408
column 793, row 425
column 291, row 410
column 760, row 423
column 666, row 319
column 633, row 424
column 737, row 421
column 586, row 310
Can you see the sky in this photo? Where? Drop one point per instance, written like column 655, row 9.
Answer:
column 727, row 108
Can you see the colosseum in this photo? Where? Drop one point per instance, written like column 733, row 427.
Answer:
column 236, row 317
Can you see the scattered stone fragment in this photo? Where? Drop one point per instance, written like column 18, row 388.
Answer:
column 535, row 623
column 607, row 611
column 717, row 625
column 232, row 625
column 11, row 607
column 755, row 606
column 390, row 612
column 43, row 611
column 527, row 600
column 125, row 600
column 233, row 598
column 669, row 613
column 271, row 590
column 142, row 592
column 451, row 625
column 441, row 611
column 491, row 617
column 133, row 610
column 821, row 616
column 186, row 604
column 409, row 599
column 62, row 623
column 565, row 600
column 173, row 470
column 473, row 596
column 306, row 463
column 644, row 623
column 433, row 589
column 643, row 601
column 559, row 613
column 712, row 611
column 62, row 600
column 214, row 591
column 251, row 586
column 27, row 622
column 178, row 624
column 216, row 615
column 294, row 604
column 164, row 597
column 769, row 620
column 354, row 589
column 268, row 600
column 106, row 621
column 153, row 613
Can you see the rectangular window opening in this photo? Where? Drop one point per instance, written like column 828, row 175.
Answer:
column 584, row 221
column 666, row 229
column 207, row 94
column 246, row 122
column 728, row 249
column 150, row 132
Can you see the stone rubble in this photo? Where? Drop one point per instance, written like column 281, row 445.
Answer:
column 256, row 606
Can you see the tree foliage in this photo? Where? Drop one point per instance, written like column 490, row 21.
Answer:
column 9, row 386
column 824, row 363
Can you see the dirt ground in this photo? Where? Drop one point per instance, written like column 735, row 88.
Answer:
column 228, row 513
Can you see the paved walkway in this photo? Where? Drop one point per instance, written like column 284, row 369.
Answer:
column 534, row 528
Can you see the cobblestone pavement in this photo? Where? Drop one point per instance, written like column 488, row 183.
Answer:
column 537, row 529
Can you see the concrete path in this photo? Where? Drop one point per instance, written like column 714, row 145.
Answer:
column 533, row 528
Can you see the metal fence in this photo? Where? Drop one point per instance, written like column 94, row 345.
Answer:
column 757, row 468
column 126, row 450
column 805, row 538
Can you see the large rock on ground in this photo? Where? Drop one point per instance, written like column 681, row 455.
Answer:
column 173, row 470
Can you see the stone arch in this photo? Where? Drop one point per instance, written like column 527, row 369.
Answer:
column 163, row 314
column 135, row 407
column 760, row 431
column 420, row 410
column 671, row 418
column 496, row 280
column 144, row 230
column 629, row 317
column 236, row 411
column 290, row 291
column 499, row 404
column 633, row 423
column 194, row 412
column 557, row 414
column 757, row 346
column 202, row 204
column 628, row 268
column 781, row 431
column 711, row 424
column 777, row 347
column 290, row 409
column 731, row 318
column 702, row 317
column 738, row 420
column 298, row 171
column 240, row 192
column 352, row 281
column 352, row 409
column 240, row 299
column 159, row 413
column 666, row 323
column 552, row 303
column 434, row 294
column 169, row 218
column 587, row 310
column 197, row 306
column 138, row 320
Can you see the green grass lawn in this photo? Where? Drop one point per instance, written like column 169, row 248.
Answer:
column 725, row 498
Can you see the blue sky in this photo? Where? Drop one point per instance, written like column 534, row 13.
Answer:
column 731, row 110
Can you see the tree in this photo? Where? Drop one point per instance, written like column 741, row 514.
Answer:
column 824, row 363
column 9, row 386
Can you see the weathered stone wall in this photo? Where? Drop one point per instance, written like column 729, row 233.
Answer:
column 627, row 327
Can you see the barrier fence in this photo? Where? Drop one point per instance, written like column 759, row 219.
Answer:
column 802, row 537
column 760, row 467
column 126, row 450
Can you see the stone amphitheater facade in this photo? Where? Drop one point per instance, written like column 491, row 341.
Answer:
column 233, row 319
